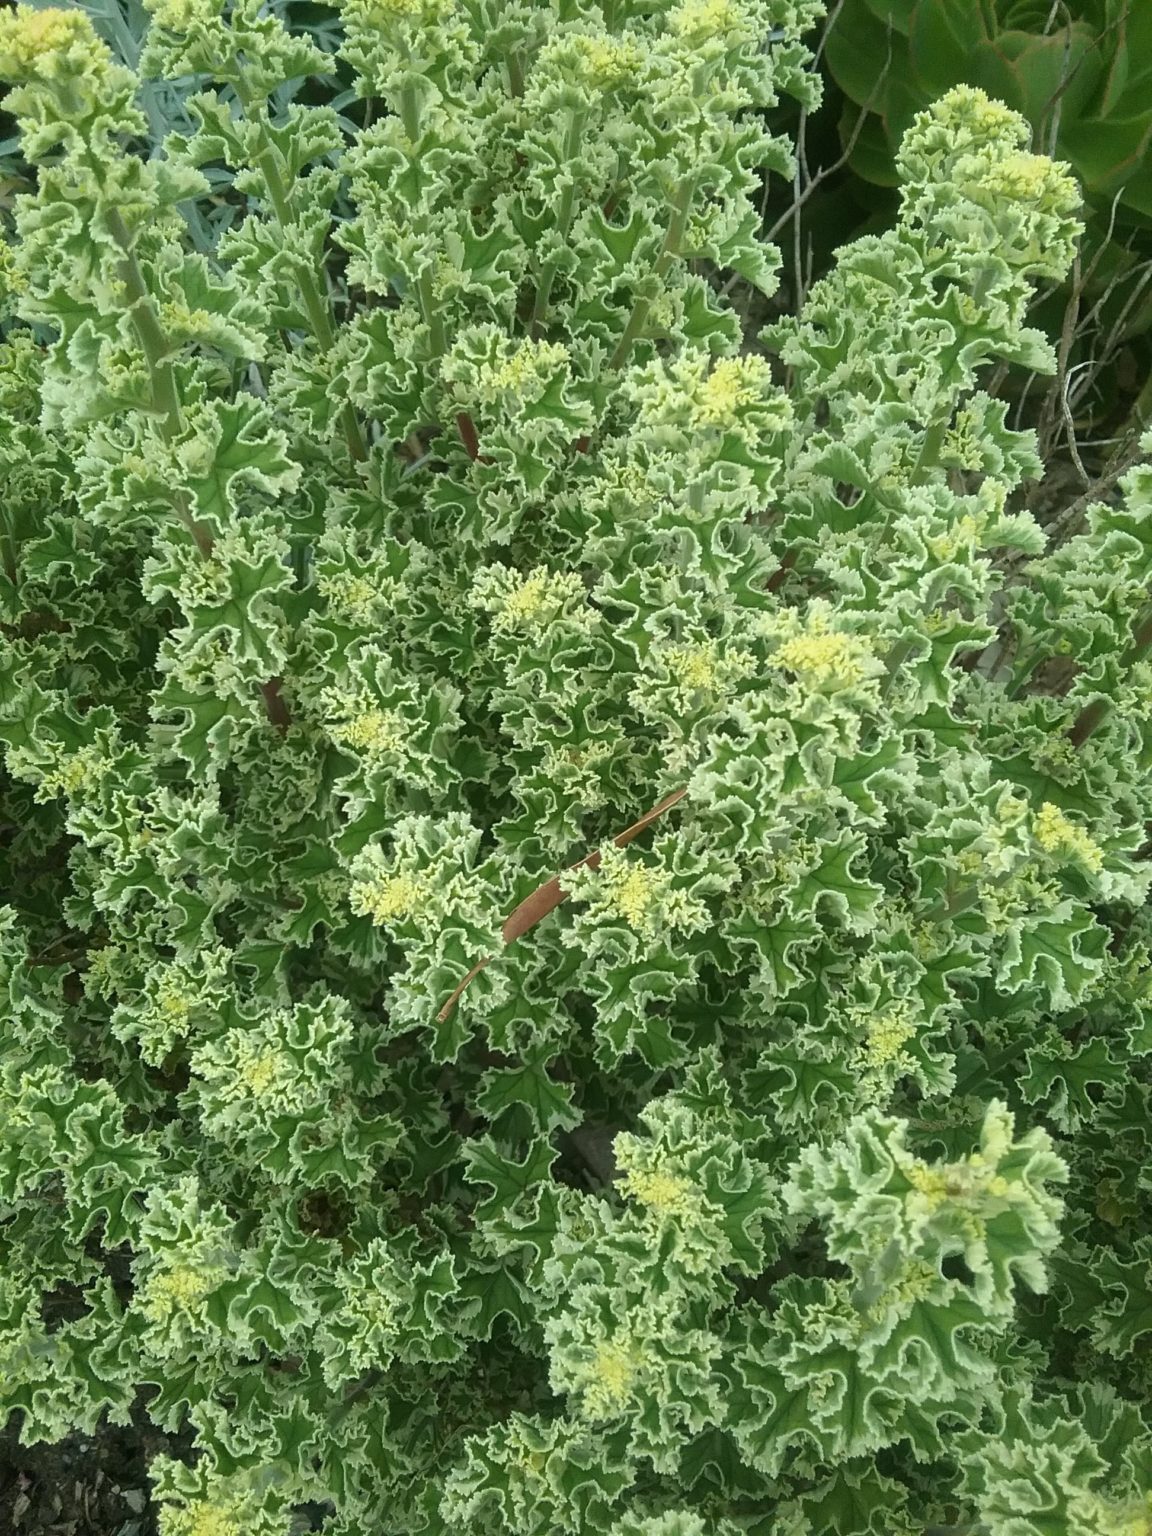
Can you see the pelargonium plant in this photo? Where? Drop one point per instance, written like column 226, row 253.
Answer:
column 576, row 946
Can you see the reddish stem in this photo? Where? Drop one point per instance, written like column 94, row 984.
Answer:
column 468, row 434
column 275, row 704
column 786, row 565
column 547, row 897
column 467, row 429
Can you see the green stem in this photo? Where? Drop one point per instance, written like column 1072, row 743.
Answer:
column 166, row 395
column 8, row 555
column 636, row 322
column 315, row 303
column 432, row 317
column 410, row 110
column 8, row 548
column 149, row 331
column 515, row 72
column 563, row 224
column 341, row 1411
column 319, row 319
column 896, row 658
column 1023, row 666
column 933, row 442
column 681, row 208
column 158, row 353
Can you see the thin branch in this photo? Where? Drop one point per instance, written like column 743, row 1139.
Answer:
column 801, row 194
column 547, row 897
column 830, row 170
column 1059, row 392
column 1069, row 520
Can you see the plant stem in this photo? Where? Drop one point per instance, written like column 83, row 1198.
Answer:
column 166, row 395
column 777, row 580
column 933, row 442
column 149, row 331
column 8, row 549
column 467, row 429
column 410, row 110
column 548, row 275
column 563, row 223
column 315, row 304
column 158, row 353
column 681, row 207
column 896, row 658
column 274, row 704
column 432, row 318
column 636, row 322
column 1087, row 720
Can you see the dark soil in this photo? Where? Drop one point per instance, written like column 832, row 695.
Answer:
column 86, row 1485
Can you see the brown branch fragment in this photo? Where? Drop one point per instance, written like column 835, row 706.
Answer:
column 467, row 429
column 275, row 703
column 547, row 897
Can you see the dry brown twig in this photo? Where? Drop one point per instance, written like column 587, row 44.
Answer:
column 547, row 897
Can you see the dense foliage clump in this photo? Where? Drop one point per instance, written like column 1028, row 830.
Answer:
column 435, row 530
